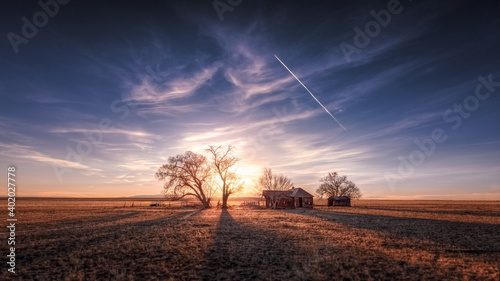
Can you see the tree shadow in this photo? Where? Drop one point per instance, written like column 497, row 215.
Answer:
column 443, row 212
column 55, row 247
column 468, row 237
column 72, row 224
column 108, row 232
column 244, row 253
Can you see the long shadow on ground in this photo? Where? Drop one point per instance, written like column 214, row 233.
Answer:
column 468, row 237
column 250, row 252
column 443, row 212
column 70, row 225
column 244, row 253
column 43, row 259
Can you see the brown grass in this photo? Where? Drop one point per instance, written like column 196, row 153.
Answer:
column 375, row 240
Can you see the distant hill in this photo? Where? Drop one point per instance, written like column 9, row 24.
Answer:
column 232, row 198
column 147, row 196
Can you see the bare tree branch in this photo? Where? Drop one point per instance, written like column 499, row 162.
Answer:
column 270, row 181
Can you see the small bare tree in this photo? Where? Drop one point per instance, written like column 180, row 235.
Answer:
column 274, row 183
column 187, row 174
column 335, row 185
column 223, row 160
column 270, row 181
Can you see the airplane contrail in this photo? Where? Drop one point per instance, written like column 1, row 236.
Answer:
column 311, row 93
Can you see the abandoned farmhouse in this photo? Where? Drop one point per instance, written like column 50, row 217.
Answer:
column 293, row 198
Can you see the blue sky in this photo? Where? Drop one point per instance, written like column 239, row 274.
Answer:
column 102, row 94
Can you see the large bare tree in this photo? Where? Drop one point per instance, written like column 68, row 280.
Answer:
column 187, row 174
column 223, row 163
column 335, row 185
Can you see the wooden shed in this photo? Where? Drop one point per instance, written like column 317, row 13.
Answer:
column 288, row 199
column 344, row 201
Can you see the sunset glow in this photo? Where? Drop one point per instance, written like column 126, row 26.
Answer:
column 92, row 108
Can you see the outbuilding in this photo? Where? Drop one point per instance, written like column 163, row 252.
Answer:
column 344, row 201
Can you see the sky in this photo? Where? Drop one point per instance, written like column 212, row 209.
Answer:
column 96, row 95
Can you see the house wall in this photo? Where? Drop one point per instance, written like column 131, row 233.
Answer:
column 305, row 201
column 308, row 201
column 290, row 202
column 283, row 203
column 346, row 203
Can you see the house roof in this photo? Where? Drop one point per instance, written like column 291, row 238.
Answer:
column 299, row 192
column 276, row 193
column 340, row 198
column 295, row 192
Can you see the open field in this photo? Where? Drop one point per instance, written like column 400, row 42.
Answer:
column 108, row 239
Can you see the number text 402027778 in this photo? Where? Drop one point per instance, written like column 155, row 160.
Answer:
column 11, row 220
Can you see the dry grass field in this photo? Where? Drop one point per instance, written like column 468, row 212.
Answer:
column 70, row 239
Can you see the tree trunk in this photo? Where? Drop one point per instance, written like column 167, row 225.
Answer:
column 206, row 203
column 224, row 201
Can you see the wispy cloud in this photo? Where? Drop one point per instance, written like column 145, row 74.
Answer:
column 150, row 92
column 13, row 151
column 105, row 131
column 248, row 128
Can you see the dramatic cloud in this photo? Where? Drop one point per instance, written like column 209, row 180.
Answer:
column 93, row 109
